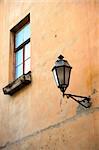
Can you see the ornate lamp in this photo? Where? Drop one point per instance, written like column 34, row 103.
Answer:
column 61, row 72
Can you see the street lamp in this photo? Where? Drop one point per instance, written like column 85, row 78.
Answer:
column 61, row 72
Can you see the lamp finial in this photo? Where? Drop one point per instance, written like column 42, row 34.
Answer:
column 61, row 57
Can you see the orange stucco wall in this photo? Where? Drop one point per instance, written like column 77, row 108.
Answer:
column 37, row 117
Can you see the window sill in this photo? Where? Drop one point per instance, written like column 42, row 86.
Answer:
column 17, row 84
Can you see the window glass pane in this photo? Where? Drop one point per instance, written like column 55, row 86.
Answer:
column 27, row 32
column 27, row 66
column 27, row 51
column 19, row 71
column 19, row 57
column 19, row 38
column 22, row 35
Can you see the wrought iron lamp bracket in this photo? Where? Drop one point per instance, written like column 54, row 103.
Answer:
column 82, row 100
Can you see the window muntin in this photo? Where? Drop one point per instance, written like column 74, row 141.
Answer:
column 22, row 51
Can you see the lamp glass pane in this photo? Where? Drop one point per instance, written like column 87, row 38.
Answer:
column 67, row 75
column 55, row 77
column 60, row 72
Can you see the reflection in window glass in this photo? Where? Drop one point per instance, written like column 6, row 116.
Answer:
column 27, row 66
column 19, row 38
column 19, row 57
column 22, row 35
column 26, row 32
column 27, row 51
column 19, row 71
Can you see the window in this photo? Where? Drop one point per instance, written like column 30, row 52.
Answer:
column 22, row 47
column 22, row 51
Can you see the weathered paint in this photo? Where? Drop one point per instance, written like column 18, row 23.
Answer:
column 33, row 118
